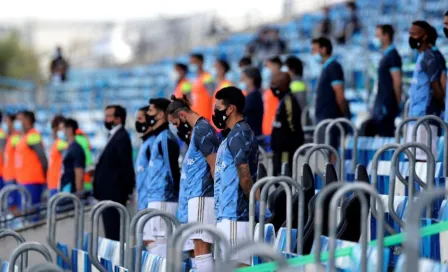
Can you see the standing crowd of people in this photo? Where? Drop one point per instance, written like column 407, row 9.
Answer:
column 222, row 125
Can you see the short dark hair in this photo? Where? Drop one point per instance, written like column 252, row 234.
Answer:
column 325, row 43
column 160, row 103
column 351, row 5
column 254, row 74
column 276, row 60
column 71, row 123
column 144, row 109
column 315, row 41
column 119, row 112
column 446, row 13
column 182, row 66
column 57, row 120
column 29, row 115
column 432, row 36
column 224, row 64
column 1, row 115
column 178, row 104
column 295, row 64
column 245, row 61
column 11, row 116
column 232, row 96
column 388, row 30
column 423, row 24
column 197, row 56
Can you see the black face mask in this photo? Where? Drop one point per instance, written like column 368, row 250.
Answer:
column 415, row 43
column 225, row 132
column 108, row 125
column 276, row 92
column 141, row 127
column 219, row 118
column 151, row 120
column 183, row 131
column 445, row 31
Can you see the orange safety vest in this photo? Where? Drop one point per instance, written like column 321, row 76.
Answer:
column 270, row 104
column 55, row 163
column 201, row 101
column 29, row 170
column 223, row 84
column 8, row 163
column 2, row 137
column 183, row 87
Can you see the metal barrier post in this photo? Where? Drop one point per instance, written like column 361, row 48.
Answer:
column 20, row 240
column 28, row 246
column 251, row 248
column 44, row 267
column 25, row 198
column 329, row 148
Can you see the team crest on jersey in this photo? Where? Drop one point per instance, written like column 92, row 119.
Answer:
column 220, row 167
column 151, row 163
column 190, row 162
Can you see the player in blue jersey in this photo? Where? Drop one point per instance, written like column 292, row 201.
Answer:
column 236, row 168
column 163, row 175
column 196, row 203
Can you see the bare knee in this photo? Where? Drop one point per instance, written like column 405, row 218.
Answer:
column 201, row 247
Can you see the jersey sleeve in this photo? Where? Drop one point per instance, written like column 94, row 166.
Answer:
column 336, row 75
column 395, row 63
column 206, row 140
column 431, row 67
column 239, row 147
column 79, row 158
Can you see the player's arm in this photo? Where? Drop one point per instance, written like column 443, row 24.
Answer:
column 340, row 98
column 207, row 142
column 397, row 83
column 79, row 166
column 211, row 160
column 246, row 181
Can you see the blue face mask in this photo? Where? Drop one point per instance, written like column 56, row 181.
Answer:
column 317, row 57
column 18, row 126
column 242, row 86
column 5, row 128
column 193, row 68
column 61, row 135
column 376, row 42
column 266, row 74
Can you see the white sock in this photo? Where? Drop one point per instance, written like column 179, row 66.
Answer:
column 204, row 263
column 193, row 263
column 159, row 250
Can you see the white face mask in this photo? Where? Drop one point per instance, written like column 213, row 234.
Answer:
column 376, row 42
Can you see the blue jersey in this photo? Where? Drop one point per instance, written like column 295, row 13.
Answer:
column 161, row 185
column 196, row 179
column 141, row 172
column 427, row 70
column 240, row 147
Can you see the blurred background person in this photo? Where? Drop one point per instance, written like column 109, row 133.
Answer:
column 58, row 67
column 325, row 26
column 203, row 87
column 83, row 140
column 388, row 98
column 31, row 163
column 56, row 154
column 287, row 133
column 298, row 87
column 74, row 159
column 270, row 102
column 3, row 135
column 330, row 97
column 183, row 85
column 222, row 68
column 253, row 108
column 9, row 169
column 352, row 25
column 244, row 62
column 445, row 31
column 143, row 127
column 114, row 177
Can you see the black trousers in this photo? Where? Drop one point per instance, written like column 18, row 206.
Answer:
column 111, row 222
column 279, row 158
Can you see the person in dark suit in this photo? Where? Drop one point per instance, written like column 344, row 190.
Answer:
column 114, row 177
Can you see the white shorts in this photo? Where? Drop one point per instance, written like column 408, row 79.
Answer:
column 236, row 233
column 421, row 138
column 155, row 229
column 201, row 210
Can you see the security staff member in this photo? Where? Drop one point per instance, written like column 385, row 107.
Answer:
column 30, row 161
column 162, row 185
column 203, row 87
column 196, row 202
column 273, row 66
column 432, row 39
column 9, row 173
column 183, row 85
column 298, row 87
column 56, row 153
column 330, row 99
column 388, row 98
column 445, row 31
column 287, row 133
column 253, row 108
column 222, row 68
column 82, row 139
column 236, row 168
column 426, row 91
column 143, row 127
